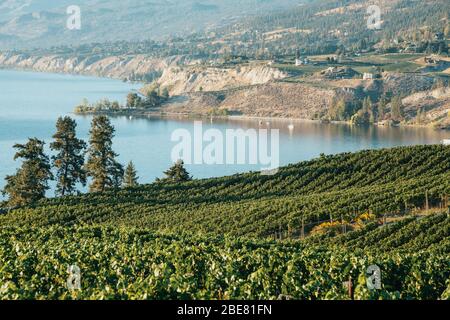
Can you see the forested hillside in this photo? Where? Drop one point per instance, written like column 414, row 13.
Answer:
column 262, row 29
column 326, row 26
column 39, row 23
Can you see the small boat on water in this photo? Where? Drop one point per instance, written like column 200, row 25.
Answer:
column 291, row 127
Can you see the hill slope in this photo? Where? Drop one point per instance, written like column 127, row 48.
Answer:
column 383, row 181
column 42, row 23
column 111, row 237
column 137, row 264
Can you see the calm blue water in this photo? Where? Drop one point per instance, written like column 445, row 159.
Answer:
column 31, row 102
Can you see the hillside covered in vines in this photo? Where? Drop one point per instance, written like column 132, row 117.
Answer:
column 208, row 239
column 130, row 263
column 388, row 181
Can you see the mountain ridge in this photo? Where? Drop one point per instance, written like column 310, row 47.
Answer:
column 41, row 24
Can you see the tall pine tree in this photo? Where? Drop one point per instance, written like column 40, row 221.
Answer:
column 130, row 178
column 69, row 158
column 101, row 165
column 381, row 108
column 30, row 182
column 397, row 108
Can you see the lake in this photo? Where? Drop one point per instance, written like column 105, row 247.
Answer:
column 31, row 102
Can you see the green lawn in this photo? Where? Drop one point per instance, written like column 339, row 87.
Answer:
column 405, row 66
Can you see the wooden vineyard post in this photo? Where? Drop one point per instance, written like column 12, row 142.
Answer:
column 447, row 206
column 384, row 219
column 303, row 228
column 427, row 204
column 349, row 286
column 289, row 232
column 344, row 227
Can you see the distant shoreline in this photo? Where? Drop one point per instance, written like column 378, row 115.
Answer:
column 195, row 116
column 64, row 73
column 156, row 114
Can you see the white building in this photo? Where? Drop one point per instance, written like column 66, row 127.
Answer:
column 301, row 61
column 368, row 76
column 446, row 142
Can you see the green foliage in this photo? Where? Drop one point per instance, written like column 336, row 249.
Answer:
column 123, row 240
column 130, row 178
column 177, row 173
column 397, row 108
column 339, row 110
column 124, row 263
column 382, row 104
column 366, row 115
column 30, row 182
column 101, row 165
column 380, row 181
column 103, row 105
column 215, row 112
column 69, row 160
column 133, row 100
column 165, row 93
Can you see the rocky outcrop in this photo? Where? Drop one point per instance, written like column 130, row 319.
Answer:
column 273, row 99
column 429, row 107
column 179, row 80
column 120, row 67
column 406, row 83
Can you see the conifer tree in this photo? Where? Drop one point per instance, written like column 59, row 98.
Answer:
column 30, row 182
column 396, row 108
column 165, row 94
column 101, row 165
column 381, row 108
column 69, row 159
column 130, row 178
column 370, row 110
column 177, row 173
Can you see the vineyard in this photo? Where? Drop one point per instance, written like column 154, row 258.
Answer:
column 121, row 263
column 341, row 186
column 211, row 239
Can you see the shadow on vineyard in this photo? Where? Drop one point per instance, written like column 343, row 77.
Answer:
column 214, row 238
